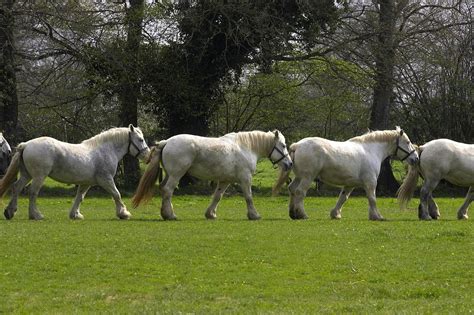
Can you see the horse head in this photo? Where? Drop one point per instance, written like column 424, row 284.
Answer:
column 5, row 154
column 405, row 150
column 137, row 146
column 279, row 154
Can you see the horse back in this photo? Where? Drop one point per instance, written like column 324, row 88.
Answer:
column 62, row 161
column 448, row 159
column 331, row 161
column 205, row 158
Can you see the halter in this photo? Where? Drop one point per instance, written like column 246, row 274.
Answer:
column 130, row 142
column 283, row 155
column 408, row 153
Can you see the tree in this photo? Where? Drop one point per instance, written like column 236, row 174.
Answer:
column 217, row 40
column 130, row 86
column 8, row 90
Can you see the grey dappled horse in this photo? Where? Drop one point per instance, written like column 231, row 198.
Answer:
column 91, row 162
column 231, row 158
column 439, row 159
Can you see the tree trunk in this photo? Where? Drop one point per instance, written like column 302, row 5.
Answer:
column 8, row 92
column 383, row 89
column 130, row 87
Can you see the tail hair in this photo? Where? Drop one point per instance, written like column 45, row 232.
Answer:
column 284, row 176
column 408, row 187
column 12, row 171
column 145, row 189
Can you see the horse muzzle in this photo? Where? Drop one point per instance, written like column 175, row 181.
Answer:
column 287, row 165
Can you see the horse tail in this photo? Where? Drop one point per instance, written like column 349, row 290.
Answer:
column 12, row 170
column 145, row 189
column 284, row 175
column 408, row 187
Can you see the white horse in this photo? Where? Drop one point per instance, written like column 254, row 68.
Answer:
column 92, row 162
column 5, row 154
column 228, row 159
column 353, row 163
column 439, row 159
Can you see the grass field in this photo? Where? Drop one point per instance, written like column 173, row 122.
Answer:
column 232, row 265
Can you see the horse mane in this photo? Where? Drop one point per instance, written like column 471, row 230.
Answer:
column 115, row 135
column 258, row 141
column 376, row 136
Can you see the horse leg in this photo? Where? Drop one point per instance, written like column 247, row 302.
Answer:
column 75, row 213
column 297, row 194
column 433, row 208
column 109, row 185
column 291, row 188
column 16, row 190
column 374, row 214
column 252, row 213
column 35, row 187
column 167, row 190
column 211, row 210
column 462, row 212
column 343, row 196
column 425, row 193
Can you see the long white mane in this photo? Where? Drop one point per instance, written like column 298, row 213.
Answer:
column 114, row 135
column 258, row 141
column 377, row 136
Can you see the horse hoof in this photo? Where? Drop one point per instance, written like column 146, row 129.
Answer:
column 8, row 215
column 254, row 218
column 376, row 218
column 425, row 218
column 77, row 217
column 124, row 215
column 172, row 218
column 300, row 216
column 463, row 217
column 210, row 216
column 36, row 217
column 336, row 217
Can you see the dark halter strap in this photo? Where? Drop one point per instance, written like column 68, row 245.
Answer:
column 408, row 153
column 131, row 143
column 283, row 155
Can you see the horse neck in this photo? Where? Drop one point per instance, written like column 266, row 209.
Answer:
column 381, row 149
column 111, row 145
column 260, row 143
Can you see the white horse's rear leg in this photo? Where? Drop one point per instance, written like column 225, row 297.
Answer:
column 298, row 189
column 35, row 187
column 252, row 213
column 343, row 196
column 75, row 213
column 374, row 214
column 211, row 210
column 17, row 187
column 425, row 195
column 109, row 185
column 433, row 208
column 462, row 212
column 167, row 188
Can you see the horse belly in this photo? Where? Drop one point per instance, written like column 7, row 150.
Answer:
column 339, row 177
column 49, row 159
column 212, row 171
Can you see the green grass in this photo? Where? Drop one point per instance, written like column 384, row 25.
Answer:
column 232, row 265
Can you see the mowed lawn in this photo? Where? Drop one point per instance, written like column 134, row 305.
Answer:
column 232, row 265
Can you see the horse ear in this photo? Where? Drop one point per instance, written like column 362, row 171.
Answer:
column 131, row 127
column 277, row 134
column 401, row 132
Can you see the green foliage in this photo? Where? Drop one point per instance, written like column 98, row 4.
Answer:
column 232, row 265
column 325, row 98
